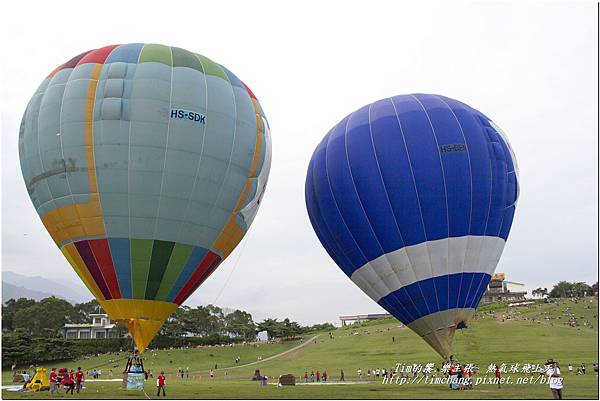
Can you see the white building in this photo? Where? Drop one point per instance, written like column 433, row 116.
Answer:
column 500, row 289
column 101, row 327
column 351, row 319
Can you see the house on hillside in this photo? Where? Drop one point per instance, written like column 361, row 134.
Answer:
column 101, row 327
column 500, row 289
column 351, row 319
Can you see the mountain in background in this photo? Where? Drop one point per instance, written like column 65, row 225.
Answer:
column 15, row 285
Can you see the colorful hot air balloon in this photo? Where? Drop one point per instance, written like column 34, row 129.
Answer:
column 413, row 197
column 146, row 164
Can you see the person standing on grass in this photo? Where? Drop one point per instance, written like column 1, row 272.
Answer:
column 53, row 379
column 78, row 379
column 554, row 379
column 161, row 384
column 342, row 376
column 498, row 375
column 318, row 376
column 306, row 376
column 570, row 369
column 324, row 375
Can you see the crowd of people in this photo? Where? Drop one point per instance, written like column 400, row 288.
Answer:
column 319, row 377
column 66, row 379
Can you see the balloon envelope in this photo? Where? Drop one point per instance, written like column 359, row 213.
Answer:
column 413, row 197
column 146, row 164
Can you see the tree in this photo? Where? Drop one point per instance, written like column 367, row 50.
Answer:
column 173, row 326
column 290, row 329
column 565, row 289
column 320, row 327
column 581, row 289
column 15, row 347
column 45, row 318
column 562, row 289
column 239, row 324
column 271, row 326
column 539, row 292
column 595, row 287
column 83, row 310
column 11, row 307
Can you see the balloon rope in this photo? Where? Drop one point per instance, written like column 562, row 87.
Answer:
column 104, row 364
column 243, row 247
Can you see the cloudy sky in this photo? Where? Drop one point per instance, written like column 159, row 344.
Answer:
column 531, row 67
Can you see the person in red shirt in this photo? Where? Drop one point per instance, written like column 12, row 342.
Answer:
column 53, row 379
column 324, row 375
column 498, row 375
column 78, row 379
column 318, row 376
column 70, row 382
column 160, row 384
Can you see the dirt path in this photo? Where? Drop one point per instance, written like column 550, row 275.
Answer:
column 297, row 347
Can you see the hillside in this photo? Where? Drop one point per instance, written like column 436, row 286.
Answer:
column 527, row 335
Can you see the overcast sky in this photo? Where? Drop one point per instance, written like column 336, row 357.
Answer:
column 530, row 67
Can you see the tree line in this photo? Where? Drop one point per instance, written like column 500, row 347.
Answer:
column 212, row 320
column 564, row 289
column 32, row 329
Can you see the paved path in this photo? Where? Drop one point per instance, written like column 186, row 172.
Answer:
column 297, row 347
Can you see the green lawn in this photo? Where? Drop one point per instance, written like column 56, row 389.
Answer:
column 525, row 336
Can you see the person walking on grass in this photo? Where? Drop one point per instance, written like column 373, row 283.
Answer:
column 70, row 382
column 78, row 379
column 161, row 384
column 342, row 376
column 554, row 379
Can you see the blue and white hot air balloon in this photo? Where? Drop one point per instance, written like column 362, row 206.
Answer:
column 413, row 197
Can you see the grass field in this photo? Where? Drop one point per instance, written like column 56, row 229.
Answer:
column 500, row 334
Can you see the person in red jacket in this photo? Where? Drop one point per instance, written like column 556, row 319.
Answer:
column 53, row 379
column 78, row 379
column 318, row 376
column 160, row 384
